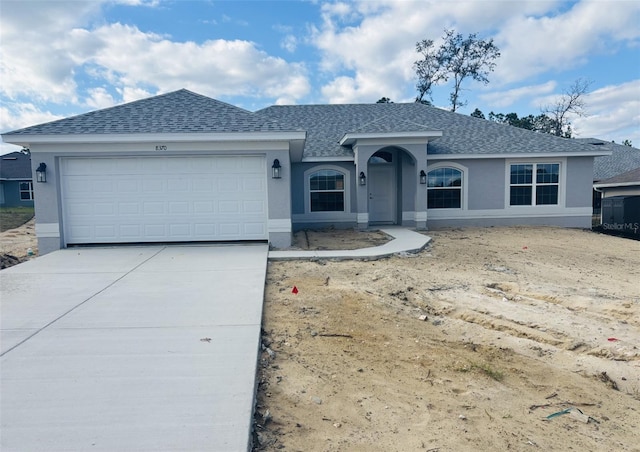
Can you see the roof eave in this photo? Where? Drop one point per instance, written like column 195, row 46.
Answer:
column 349, row 139
column 28, row 139
column 514, row 155
column 619, row 184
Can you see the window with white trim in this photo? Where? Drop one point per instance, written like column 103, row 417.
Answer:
column 444, row 188
column 534, row 184
column 26, row 191
column 327, row 191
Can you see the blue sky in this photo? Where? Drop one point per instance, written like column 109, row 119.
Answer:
column 60, row 58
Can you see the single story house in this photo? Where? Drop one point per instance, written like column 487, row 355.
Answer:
column 625, row 184
column 182, row 167
column 620, row 160
column 16, row 181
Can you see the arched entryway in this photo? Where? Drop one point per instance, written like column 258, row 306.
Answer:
column 385, row 184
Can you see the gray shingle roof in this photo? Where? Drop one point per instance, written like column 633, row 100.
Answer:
column 461, row 134
column 622, row 158
column 16, row 165
column 624, row 178
column 177, row 112
column 186, row 112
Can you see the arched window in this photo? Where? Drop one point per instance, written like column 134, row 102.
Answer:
column 444, row 188
column 326, row 191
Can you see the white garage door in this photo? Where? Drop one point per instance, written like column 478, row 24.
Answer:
column 164, row 199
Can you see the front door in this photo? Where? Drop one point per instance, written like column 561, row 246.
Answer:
column 382, row 193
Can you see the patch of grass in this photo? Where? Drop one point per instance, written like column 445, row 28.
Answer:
column 12, row 217
column 485, row 368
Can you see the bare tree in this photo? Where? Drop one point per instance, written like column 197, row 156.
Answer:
column 428, row 69
column 458, row 58
column 571, row 102
column 464, row 58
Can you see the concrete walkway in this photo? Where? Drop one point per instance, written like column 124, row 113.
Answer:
column 149, row 348
column 404, row 241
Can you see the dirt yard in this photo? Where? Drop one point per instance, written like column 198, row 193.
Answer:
column 473, row 344
column 15, row 244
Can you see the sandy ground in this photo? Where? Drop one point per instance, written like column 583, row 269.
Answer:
column 15, row 243
column 468, row 345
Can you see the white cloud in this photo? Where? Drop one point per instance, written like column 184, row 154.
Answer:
column 16, row 115
column 134, row 59
column 289, row 43
column 613, row 113
column 534, row 45
column 375, row 40
column 502, row 99
column 35, row 59
column 99, row 98
column 376, row 51
column 45, row 63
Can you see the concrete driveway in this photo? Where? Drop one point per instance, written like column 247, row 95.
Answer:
column 148, row 348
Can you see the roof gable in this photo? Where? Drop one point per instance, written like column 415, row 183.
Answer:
column 177, row 112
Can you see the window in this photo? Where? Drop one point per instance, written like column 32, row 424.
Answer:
column 326, row 191
column 527, row 190
column 444, row 188
column 26, row 191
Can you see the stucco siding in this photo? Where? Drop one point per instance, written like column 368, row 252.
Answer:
column 486, row 183
column 298, row 188
column 579, row 182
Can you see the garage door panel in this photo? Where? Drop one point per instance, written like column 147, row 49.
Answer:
column 128, row 208
column 253, row 207
column 153, row 208
column 154, row 185
column 105, row 231
column 164, row 199
column 129, row 232
column 104, row 208
column 127, row 186
column 157, row 231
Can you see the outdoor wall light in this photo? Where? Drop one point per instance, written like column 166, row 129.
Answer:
column 423, row 177
column 275, row 169
column 41, row 172
column 363, row 178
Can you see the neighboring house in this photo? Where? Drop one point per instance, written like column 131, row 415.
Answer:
column 621, row 159
column 625, row 184
column 621, row 203
column 16, row 182
column 184, row 167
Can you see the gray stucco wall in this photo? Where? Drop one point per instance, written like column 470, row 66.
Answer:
column 298, row 183
column 408, row 183
column 579, row 181
column 486, row 183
